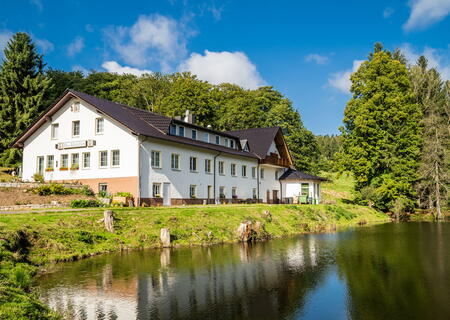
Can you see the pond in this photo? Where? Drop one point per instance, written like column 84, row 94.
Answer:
column 390, row 271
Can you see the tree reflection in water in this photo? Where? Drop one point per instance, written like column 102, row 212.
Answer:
column 394, row 271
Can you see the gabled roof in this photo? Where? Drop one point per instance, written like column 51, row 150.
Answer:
column 258, row 139
column 291, row 174
column 138, row 121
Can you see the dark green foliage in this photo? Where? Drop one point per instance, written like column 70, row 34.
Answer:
column 82, row 203
column 22, row 89
column 381, row 137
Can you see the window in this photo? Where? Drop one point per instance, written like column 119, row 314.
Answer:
column 173, row 129
column 276, row 174
column 86, row 160
column 74, row 161
column 64, row 161
column 208, row 165
column 194, row 134
column 75, row 107
column 233, row 169
column 193, row 191
column 193, row 163
column 181, row 131
column 103, row 159
column 253, row 172
column 99, row 125
column 115, row 155
column 206, row 137
column 254, row 195
column 226, row 142
column 305, row 189
column 50, row 163
column 102, row 187
column 55, row 127
column 232, row 144
column 156, row 159
column 262, row 174
column 209, row 192
column 40, row 165
column 221, row 167
column 217, row 140
column 156, row 190
column 222, row 192
column 246, row 147
column 75, row 128
column 244, row 171
column 175, row 161
column 234, row 192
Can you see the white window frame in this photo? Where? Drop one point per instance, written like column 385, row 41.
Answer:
column 244, row 171
column 156, row 190
column 217, row 139
column 173, row 129
column 74, row 160
column 226, row 142
column 75, row 106
column 254, row 172
column 222, row 191
column 73, row 128
column 181, row 128
column 40, row 165
column 101, row 185
column 193, row 163
column 194, row 133
column 174, row 156
column 52, row 162
column 66, row 157
column 83, row 160
column 193, row 191
column 221, row 168
column 153, row 159
column 231, row 143
column 262, row 173
column 208, row 166
column 206, row 137
column 54, row 133
column 100, row 159
column 254, row 193
column 233, row 192
column 233, row 169
column 112, row 158
column 97, row 126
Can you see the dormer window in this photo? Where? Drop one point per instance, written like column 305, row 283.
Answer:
column 194, row 134
column 206, row 137
column 181, row 131
column 173, row 129
column 75, row 107
column 226, row 142
column 246, row 147
column 217, row 140
column 232, row 144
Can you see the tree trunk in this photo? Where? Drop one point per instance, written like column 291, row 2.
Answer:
column 108, row 220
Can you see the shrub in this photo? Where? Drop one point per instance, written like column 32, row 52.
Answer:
column 82, row 203
column 103, row 194
column 53, row 188
column 38, row 177
column 124, row 194
column 87, row 191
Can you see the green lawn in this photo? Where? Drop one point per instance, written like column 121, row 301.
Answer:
column 339, row 187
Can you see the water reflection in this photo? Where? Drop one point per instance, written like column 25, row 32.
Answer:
column 384, row 272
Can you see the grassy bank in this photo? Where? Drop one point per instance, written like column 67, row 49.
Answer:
column 30, row 241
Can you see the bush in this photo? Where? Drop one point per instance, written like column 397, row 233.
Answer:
column 87, row 191
column 124, row 194
column 82, row 203
column 59, row 189
column 38, row 177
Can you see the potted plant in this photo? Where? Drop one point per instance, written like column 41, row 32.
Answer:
column 49, row 169
column 74, row 167
column 63, row 169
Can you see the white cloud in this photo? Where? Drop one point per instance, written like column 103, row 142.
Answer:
column 317, row 58
column 75, row 46
column 4, row 38
column 341, row 80
column 387, row 12
column 114, row 67
column 80, row 68
column 221, row 67
column 426, row 12
column 153, row 38
column 45, row 45
column 438, row 59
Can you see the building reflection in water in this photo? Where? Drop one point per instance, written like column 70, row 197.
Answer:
column 261, row 281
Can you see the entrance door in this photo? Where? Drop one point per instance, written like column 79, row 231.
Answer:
column 268, row 196
column 166, row 194
column 275, row 196
column 209, row 194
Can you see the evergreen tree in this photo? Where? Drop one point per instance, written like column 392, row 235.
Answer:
column 381, row 137
column 22, row 89
column 434, row 168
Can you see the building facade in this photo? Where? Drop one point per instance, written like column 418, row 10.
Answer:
column 159, row 160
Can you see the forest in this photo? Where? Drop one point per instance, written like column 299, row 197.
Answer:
column 394, row 139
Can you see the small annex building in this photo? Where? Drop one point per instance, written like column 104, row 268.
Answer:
column 160, row 160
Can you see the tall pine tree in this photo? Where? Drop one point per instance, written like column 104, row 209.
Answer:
column 381, row 137
column 22, row 89
column 434, row 175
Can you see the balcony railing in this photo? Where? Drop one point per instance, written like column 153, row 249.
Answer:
column 274, row 160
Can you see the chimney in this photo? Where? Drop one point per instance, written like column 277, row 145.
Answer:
column 189, row 117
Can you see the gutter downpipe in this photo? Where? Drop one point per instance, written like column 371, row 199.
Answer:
column 214, row 175
column 138, row 202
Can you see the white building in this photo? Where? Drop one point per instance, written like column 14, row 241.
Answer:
column 160, row 160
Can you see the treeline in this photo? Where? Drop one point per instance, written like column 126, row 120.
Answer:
column 27, row 88
column 396, row 134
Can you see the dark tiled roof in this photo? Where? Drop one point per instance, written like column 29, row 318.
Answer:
column 139, row 121
column 258, row 139
column 297, row 175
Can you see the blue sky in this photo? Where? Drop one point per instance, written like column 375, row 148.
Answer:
column 305, row 49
